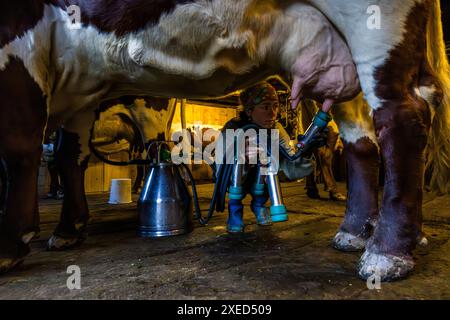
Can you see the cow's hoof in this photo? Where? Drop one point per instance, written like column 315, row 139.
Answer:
column 345, row 241
column 57, row 243
column 422, row 240
column 8, row 264
column 337, row 196
column 384, row 266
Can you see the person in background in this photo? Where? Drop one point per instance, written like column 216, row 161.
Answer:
column 324, row 157
column 56, row 189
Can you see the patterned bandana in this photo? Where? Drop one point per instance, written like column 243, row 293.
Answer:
column 257, row 94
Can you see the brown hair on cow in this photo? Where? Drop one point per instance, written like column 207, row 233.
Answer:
column 259, row 17
column 439, row 140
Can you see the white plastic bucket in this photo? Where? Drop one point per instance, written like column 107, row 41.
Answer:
column 120, row 191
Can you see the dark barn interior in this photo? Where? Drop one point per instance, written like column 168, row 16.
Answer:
column 144, row 239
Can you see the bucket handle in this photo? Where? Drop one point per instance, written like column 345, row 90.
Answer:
column 198, row 212
column 160, row 143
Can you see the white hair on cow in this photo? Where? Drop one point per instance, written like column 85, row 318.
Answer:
column 370, row 47
column 304, row 24
column 197, row 32
column 354, row 120
column 32, row 48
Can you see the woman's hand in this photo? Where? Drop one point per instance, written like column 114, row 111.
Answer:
column 255, row 154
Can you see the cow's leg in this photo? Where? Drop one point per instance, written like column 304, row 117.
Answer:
column 362, row 205
column 21, row 222
column 22, row 122
column 402, row 121
column 72, row 160
column 357, row 133
column 71, row 229
column 139, row 177
column 402, row 128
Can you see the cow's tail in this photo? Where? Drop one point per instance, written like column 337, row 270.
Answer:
column 439, row 142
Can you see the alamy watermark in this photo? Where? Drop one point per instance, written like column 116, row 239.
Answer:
column 374, row 281
column 374, row 20
column 74, row 280
column 74, row 17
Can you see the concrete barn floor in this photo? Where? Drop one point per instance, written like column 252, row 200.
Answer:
column 292, row 260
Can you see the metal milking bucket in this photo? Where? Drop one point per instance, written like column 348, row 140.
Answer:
column 165, row 205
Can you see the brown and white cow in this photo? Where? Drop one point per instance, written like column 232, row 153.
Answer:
column 205, row 48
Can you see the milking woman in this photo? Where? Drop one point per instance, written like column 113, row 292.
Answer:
column 260, row 109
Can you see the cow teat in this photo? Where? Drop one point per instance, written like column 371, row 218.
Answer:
column 320, row 61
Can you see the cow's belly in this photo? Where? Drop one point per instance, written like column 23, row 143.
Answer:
column 159, row 83
column 91, row 67
column 79, row 90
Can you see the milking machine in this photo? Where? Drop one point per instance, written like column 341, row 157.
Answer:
column 265, row 174
column 166, row 206
column 318, row 125
column 231, row 176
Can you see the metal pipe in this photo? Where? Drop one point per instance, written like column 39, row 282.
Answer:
column 236, row 190
column 320, row 122
column 278, row 210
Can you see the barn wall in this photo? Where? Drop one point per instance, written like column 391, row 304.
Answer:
column 98, row 175
column 201, row 115
column 204, row 115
